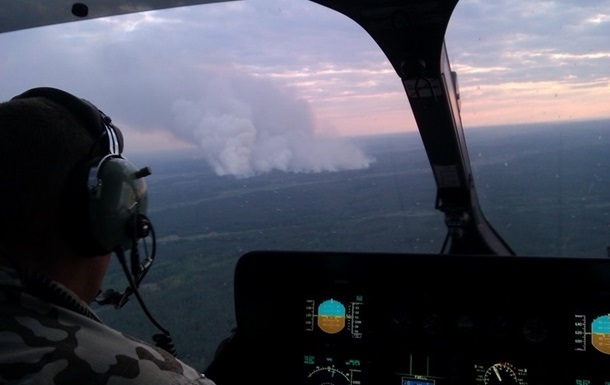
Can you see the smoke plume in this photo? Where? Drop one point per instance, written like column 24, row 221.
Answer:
column 249, row 126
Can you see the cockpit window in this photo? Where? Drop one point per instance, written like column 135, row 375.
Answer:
column 266, row 124
column 533, row 81
column 281, row 125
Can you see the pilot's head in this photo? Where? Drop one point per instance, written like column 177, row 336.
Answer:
column 65, row 190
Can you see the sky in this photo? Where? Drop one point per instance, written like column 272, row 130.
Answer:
column 259, row 85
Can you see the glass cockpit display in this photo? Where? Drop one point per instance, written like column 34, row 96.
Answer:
column 333, row 321
column 477, row 320
column 592, row 333
column 334, row 316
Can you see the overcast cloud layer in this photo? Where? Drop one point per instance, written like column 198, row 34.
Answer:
column 260, row 85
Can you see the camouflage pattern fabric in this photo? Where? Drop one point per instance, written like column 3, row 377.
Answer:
column 44, row 343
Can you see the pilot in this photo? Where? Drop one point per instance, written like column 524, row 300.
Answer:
column 68, row 201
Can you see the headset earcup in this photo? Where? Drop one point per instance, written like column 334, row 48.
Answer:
column 117, row 199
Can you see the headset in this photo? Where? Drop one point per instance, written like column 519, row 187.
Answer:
column 105, row 199
column 105, row 202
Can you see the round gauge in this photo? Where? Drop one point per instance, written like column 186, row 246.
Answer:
column 535, row 330
column 328, row 376
column 500, row 373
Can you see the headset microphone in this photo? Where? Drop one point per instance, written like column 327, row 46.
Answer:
column 137, row 270
column 142, row 228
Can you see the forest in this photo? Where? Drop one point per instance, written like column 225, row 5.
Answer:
column 544, row 188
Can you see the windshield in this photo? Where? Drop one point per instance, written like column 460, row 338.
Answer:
column 275, row 124
column 534, row 84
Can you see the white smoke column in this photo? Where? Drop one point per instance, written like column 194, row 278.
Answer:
column 247, row 127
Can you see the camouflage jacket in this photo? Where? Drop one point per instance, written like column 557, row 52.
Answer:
column 49, row 336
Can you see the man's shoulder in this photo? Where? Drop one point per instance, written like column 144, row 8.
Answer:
column 52, row 345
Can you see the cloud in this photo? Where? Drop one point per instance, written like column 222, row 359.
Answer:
column 203, row 75
column 138, row 68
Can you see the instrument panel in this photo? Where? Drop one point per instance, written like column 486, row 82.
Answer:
column 417, row 319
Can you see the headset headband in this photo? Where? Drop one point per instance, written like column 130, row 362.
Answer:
column 98, row 124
